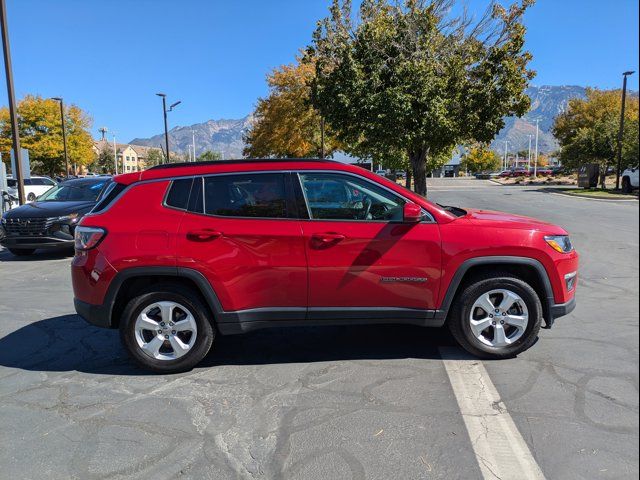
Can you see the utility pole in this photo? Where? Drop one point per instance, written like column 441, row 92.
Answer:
column 529, row 158
column 621, row 131
column 64, row 135
column 535, row 165
column 322, row 151
column 15, row 133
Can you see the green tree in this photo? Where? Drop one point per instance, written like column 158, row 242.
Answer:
column 588, row 130
column 286, row 125
column 41, row 134
column 411, row 76
column 103, row 161
column 209, row 156
column 154, row 157
column 480, row 158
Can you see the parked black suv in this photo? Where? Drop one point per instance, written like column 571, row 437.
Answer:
column 50, row 221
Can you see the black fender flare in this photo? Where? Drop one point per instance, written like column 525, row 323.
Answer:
column 547, row 302
column 195, row 276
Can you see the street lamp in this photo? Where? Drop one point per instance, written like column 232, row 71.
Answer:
column 64, row 134
column 13, row 113
column 621, row 132
column 166, row 127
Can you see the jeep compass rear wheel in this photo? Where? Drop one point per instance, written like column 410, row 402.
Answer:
column 498, row 316
column 166, row 329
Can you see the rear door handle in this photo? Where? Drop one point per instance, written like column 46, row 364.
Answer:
column 204, row 235
column 327, row 238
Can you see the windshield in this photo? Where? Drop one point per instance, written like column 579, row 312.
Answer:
column 76, row 192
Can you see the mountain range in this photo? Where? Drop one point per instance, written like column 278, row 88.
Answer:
column 226, row 136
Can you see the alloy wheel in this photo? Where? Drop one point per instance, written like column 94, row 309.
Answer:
column 499, row 318
column 165, row 330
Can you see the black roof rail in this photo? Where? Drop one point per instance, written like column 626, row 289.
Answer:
column 245, row 160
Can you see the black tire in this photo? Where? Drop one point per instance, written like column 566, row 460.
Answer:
column 458, row 320
column 22, row 252
column 626, row 185
column 183, row 296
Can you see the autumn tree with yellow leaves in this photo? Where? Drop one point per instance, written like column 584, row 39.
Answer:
column 41, row 134
column 286, row 125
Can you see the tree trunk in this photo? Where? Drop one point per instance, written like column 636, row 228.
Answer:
column 603, row 177
column 418, row 158
column 408, row 179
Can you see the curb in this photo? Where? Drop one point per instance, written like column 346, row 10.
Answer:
column 588, row 197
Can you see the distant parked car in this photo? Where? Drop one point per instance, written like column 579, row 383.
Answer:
column 401, row 174
column 50, row 222
column 542, row 171
column 630, row 179
column 33, row 187
column 520, row 172
column 515, row 172
column 382, row 173
column 487, row 175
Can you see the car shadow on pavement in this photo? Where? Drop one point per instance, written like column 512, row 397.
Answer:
column 67, row 343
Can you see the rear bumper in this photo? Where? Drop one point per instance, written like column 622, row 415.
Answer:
column 97, row 315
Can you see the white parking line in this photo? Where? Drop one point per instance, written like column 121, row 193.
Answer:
column 499, row 448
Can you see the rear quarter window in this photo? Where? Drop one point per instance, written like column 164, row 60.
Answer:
column 178, row 194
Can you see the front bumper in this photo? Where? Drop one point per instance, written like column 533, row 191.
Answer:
column 97, row 315
column 45, row 242
column 558, row 310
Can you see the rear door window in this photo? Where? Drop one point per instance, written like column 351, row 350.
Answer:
column 261, row 195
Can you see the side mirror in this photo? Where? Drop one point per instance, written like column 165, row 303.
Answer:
column 411, row 213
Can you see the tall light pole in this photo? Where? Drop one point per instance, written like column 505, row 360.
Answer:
column 529, row 158
column 166, row 126
column 621, row 132
column 64, row 134
column 535, row 165
column 15, row 134
column 506, row 152
column 193, row 139
column 115, row 153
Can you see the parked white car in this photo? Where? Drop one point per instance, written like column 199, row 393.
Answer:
column 33, row 187
column 630, row 179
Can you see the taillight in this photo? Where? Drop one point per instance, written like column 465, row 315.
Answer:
column 87, row 238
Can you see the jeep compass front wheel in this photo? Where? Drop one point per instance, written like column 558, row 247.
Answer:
column 166, row 329
column 497, row 316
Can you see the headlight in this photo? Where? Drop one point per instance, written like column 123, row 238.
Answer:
column 72, row 217
column 87, row 238
column 560, row 243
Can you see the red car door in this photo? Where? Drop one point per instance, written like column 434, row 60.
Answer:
column 362, row 258
column 240, row 234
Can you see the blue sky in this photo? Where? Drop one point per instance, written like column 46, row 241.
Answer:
column 111, row 57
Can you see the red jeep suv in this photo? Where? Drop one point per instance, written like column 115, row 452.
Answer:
column 180, row 253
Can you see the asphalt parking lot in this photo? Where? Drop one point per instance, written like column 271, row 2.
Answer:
column 326, row 403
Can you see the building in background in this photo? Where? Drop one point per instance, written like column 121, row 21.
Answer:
column 131, row 158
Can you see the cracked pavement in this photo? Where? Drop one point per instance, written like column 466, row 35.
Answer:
column 332, row 402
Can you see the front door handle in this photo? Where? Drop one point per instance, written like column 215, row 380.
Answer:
column 204, row 235
column 329, row 238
